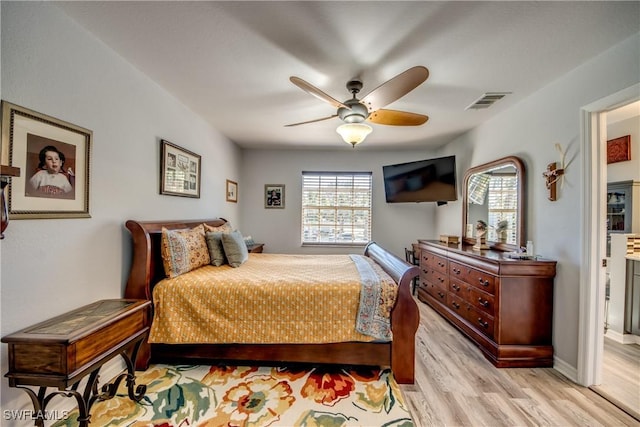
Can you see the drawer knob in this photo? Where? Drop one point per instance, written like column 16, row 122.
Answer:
column 456, row 287
column 482, row 323
column 484, row 303
column 456, row 305
column 484, row 282
column 456, row 271
column 440, row 294
column 440, row 279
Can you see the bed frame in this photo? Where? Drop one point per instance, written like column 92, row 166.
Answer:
column 147, row 270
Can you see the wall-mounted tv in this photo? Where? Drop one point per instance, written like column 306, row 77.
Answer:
column 431, row 180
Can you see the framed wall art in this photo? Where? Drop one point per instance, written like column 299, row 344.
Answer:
column 619, row 149
column 232, row 191
column 274, row 196
column 179, row 171
column 54, row 156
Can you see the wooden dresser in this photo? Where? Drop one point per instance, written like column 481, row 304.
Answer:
column 504, row 305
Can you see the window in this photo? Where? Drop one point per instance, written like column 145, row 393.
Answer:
column 336, row 208
column 503, row 204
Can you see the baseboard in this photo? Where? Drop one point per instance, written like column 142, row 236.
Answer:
column 622, row 338
column 565, row 369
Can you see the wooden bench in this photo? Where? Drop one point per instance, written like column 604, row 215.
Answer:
column 61, row 351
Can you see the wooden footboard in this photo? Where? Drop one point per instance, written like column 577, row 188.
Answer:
column 147, row 270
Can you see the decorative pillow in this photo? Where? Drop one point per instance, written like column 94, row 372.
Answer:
column 184, row 250
column 224, row 228
column 235, row 248
column 216, row 250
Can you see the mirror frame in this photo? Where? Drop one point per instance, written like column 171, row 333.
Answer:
column 522, row 197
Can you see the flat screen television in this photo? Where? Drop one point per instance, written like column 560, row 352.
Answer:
column 431, row 180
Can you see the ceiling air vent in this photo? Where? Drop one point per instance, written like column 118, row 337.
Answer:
column 487, row 100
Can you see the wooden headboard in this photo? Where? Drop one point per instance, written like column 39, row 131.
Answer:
column 146, row 267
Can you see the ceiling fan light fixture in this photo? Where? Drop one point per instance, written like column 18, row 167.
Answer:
column 354, row 133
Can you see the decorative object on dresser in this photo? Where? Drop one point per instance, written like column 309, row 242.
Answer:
column 232, row 191
column 504, row 305
column 146, row 278
column 179, row 171
column 448, row 239
column 481, row 236
column 61, row 351
column 494, row 192
column 54, row 156
column 274, row 196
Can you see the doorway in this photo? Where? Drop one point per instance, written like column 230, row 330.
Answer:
column 593, row 290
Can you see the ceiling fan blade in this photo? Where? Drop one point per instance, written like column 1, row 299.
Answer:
column 395, row 88
column 397, row 118
column 309, row 88
column 311, row 121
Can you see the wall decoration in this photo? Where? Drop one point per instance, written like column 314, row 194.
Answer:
column 54, row 156
column 274, row 196
column 232, row 191
column 619, row 149
column 554, row 173
column 179, row 171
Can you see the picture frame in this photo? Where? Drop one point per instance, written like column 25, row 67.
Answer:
column 179, row 171
column 274, row 196
column 232, row 191
column 54, row 157
column 619, row 149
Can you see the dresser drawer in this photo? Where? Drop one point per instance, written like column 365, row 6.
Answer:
column 435, row 261
column 474, row 277
column 438, row 278
column 480, row 320
column 481, row 300
column 458, row 288
column 457, row 304
column 436, row 292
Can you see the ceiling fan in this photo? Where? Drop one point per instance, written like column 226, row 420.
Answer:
column 354, row 112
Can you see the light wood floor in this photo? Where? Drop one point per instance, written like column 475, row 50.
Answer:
column 457, row 386
column 621, row 375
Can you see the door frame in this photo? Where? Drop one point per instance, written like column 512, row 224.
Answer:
column 593, row 137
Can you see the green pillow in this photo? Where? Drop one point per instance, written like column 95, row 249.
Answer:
column 216, row 251
column 234, row 248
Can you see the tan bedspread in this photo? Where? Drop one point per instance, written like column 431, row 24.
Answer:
column 272, row 298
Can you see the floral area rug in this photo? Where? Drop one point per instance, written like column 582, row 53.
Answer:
column 212, row 396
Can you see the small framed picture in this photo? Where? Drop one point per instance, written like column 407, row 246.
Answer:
column 179, row 171
column 54, row 158
column 232, row 191
column 619, row 149
column 274, row 196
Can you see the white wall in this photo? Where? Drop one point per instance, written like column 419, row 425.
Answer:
column 628, row 170
column 529, row 130
column 53, row 66
column 394, row 226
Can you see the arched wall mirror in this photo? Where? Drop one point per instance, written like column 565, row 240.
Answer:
column 495, row 193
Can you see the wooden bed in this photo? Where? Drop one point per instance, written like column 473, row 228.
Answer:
column 147, row 270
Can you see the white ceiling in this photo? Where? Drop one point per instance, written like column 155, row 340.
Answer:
column 230, row 62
